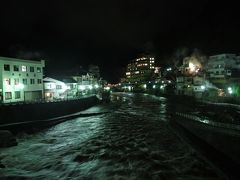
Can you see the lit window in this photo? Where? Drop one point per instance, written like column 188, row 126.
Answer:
column 6, row 67
column 17, row 95
column 39, row 69
column 8, row 95
column 24, row 68
column 8, row 81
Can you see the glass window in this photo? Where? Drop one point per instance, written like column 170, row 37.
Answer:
column 39, row 69
column 8, row 81
column 32, row 81
column 6, row 67
column 8, row 95
column 24, row 68
column 58, row 87
column 17, row 95
column 16, row 68
column 39, row 81
column 16, row 81
column 31, row 69
column 25, row 81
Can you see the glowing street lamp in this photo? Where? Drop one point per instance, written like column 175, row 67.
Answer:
column 203, row 87
column 230, row 91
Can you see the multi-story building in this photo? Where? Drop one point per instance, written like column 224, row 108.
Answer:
column 140, row 70
column 20, row 80
column 190, row 79
column 221, row 66
column 86, row 83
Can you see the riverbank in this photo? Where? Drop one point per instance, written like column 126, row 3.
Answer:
column 11, row 114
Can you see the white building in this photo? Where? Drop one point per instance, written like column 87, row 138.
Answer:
column 54, row 89
column 60, row 88
column 220, row 66
column 20, row 80
column 86, row 83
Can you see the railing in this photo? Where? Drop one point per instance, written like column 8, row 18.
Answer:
column 45, row 100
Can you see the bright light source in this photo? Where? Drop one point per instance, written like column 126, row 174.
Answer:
column 107, row 88
column 20, row 86
column 161, row 87
column 90, row 87
column 169, row 69
column 203, row 87
column 230, row 91
column 129, row 88
column 82, row 87
column 96, row 86
column 154, row 86
column 145, row 86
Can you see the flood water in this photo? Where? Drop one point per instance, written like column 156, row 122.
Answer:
column 131, row 139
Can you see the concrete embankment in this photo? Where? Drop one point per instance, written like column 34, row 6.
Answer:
column 40, row 112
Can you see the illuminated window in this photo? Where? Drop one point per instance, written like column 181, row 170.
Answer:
column 17, row 95
column 24, row 68
column 8, row 81
column 16, row 81
column 15, row 68
column 39, row 69
column 8, row 95
column 25, row 81
column 32, row 81
column 31, row 69
column 6, row 67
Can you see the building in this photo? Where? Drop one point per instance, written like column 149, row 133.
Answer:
column 221, row 66
column 94, row 71
column 54, row 89
column 190, row 79
column 86, row 84
column 60, row 88
column 20, row 80
column 140, row 70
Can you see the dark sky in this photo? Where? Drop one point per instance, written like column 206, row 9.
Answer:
column 111, row 32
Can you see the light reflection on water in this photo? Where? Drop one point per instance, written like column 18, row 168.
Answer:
column 131, row 142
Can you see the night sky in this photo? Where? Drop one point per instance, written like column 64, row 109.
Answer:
column 109, row 33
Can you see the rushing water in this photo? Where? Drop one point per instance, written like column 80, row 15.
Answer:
column 132, row 141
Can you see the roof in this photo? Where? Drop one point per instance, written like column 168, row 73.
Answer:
column 21, row 60
column 65, row 79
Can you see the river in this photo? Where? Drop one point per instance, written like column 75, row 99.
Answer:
column 131, row 139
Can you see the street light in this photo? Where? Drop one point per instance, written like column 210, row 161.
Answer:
column 203, row 87
column 230, row 91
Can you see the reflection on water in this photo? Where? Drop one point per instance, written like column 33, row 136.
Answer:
column 131, row 142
